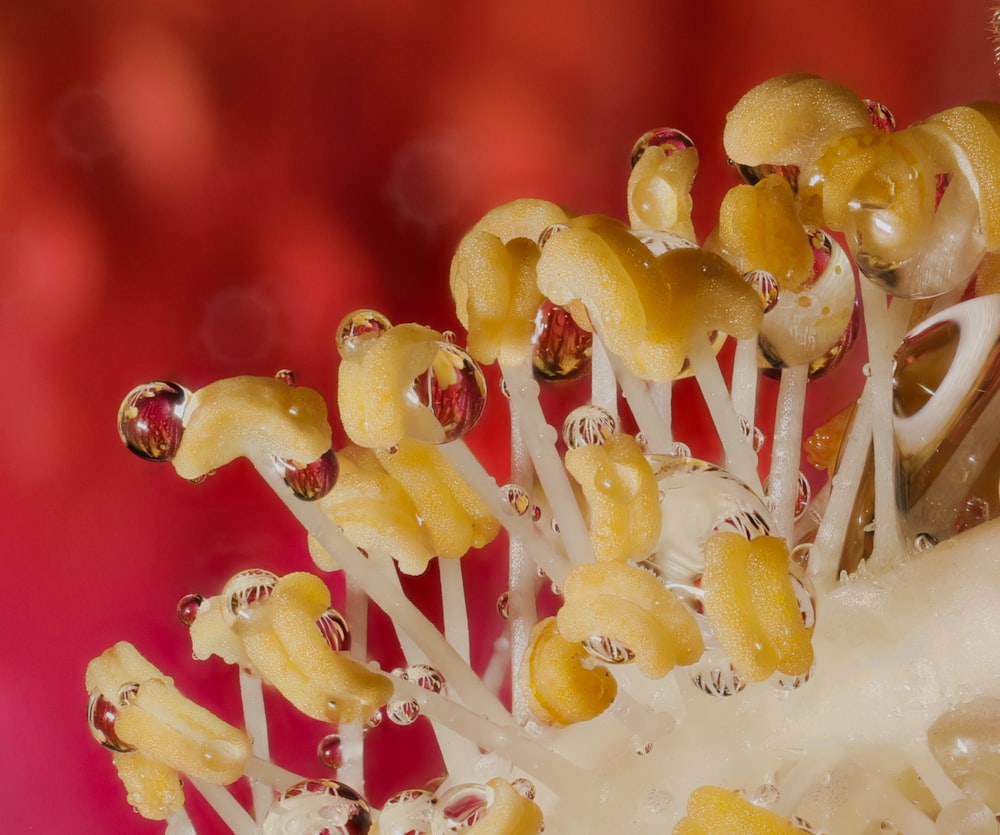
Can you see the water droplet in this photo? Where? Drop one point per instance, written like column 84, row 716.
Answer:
column 587, row 426
column 358, row 330
column 608, row 650
column 753, row 174
column 561, row 348
column 720, row 681
column 641, row 746
column 503, row 389
column 151, row 420
column 314, row 480
column 670, row 140
column 786, row 682
column 516, row 497
column 698, row 499
column 245, row 591
column 753, row 434
column 966, row 816
column 924, row 542
column 402, row 711
column 973, row 512
column 881, row 116
column 659, row 242
column 766, row 794
column 766, row 286
column 817, row 324
column 454, row 389
column 425, row 676
column 449, row 337
column 374, row 720
column 187, row 608
column 460, row 807
column 318, row 807
column 335, row 630
column 965, row 741
column 329, row 752
column 407, row 812
column 803, row 825
column 680, row 449
column 524, row 787
column 286, row 376
column 101, row 717
column 503, row 605
column 536, row 513
column 549, row 231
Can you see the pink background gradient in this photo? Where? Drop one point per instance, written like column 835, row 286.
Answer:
column 192, row 190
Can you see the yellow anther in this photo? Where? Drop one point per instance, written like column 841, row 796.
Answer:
column 976, row 128
column 157, row 721
column 752, row 608
column 716, row 811
column 560, row 688
column 624, row 505
column 659, row 191
column 375, row 389
column 598, row 262
column 508, row 813
column 617, row 600
column 645, row 308
column 153, row 790
column 788, row 119
column 252, row 417
column 287, row 649
column 881, row 187
column 496, row 295
column 759, row 229
column 709, row 294
column 375, row 513
column 454, row 518
column 526, row 217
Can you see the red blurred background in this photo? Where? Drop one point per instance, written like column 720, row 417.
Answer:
column 192, row 190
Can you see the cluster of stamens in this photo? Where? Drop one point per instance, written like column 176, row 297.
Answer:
column 683, row 585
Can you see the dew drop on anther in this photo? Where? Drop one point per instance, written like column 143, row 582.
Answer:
column 245, row 592
column 669, row 140
column 454, row 389
column 561, row 348
column 608, row 650
column 312, row 481
column 358, row 330
column 881, row 116
column 766, row 286
column 286, row 376
column 549, row 231
column 588, row 425
column 329, row 752
column 524, row 787
column 335, row 630
column 187, row 608
column 101, row 717
column 151, row 420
